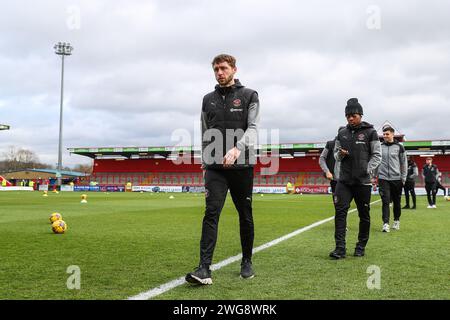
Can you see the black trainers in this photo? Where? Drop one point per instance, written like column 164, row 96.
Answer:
column 201, row 275
column 338, row 253
column 406, row 207
column 359, row 251
column 246, row 269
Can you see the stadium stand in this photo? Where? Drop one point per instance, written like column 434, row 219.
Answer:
column 299, row 171
column 291, row 162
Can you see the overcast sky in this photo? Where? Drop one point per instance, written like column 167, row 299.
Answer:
column 139, row 69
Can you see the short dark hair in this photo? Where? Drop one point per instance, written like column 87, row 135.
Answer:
column 388, row 128
column 224, row 58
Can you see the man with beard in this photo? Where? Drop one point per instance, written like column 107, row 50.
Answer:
column 229, row 120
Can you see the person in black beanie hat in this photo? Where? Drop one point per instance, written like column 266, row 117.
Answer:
column 357, row 151
column 353, row 107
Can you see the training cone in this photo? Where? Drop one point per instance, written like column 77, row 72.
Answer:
column 83, row 198
column 171, row 197
column 45, row 194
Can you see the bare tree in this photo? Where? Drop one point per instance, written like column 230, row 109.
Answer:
column 10, row 155
column 27, row 156
column 20, row 159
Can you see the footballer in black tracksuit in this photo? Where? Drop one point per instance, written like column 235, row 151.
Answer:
column 356, row 170
column 430, row 174
column 229, row 119
column 410, row 183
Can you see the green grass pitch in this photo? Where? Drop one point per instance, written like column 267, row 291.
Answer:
column 127, row 243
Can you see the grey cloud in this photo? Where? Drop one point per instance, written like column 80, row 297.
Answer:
column 140, row 69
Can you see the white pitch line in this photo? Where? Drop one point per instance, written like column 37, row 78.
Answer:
column 178, row 282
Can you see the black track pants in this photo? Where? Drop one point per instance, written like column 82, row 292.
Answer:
column 217, row 183
column 344, row 195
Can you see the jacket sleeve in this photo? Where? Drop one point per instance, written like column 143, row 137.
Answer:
column 250, row 137
column 204, row 127
column 415, row 172
column 337, row 146
column 323, row 158
column 375, row 154
column 403, row 164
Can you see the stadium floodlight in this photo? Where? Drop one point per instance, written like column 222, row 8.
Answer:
column 4, row 127
column 63, row 49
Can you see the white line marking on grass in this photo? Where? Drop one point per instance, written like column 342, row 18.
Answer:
column 178, row 282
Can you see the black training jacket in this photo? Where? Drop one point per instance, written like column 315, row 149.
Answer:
column 364, row 157
column 229, row 119
column 430, row 173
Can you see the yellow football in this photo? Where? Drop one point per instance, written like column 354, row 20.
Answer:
column 55, row 216
column 59, row 226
